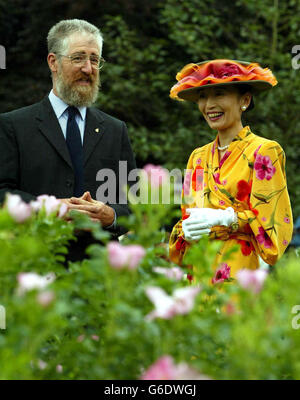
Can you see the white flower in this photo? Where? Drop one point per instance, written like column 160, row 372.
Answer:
column 166, row 307
column 30, row 281
column 17, row 208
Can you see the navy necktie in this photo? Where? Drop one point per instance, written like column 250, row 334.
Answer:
column 74, row 144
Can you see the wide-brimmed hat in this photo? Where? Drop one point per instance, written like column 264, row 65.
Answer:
column 220, row 72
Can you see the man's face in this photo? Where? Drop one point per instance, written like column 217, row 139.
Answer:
column 78, row 85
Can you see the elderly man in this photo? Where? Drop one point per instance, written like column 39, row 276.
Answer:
column 57, row 146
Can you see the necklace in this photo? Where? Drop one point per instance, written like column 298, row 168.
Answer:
column 223, row 148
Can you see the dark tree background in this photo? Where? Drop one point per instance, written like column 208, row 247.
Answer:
column 146, row 43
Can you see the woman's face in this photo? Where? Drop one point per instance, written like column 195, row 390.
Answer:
column 221, row 106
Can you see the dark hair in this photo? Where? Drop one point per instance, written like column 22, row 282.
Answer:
column 244, row 89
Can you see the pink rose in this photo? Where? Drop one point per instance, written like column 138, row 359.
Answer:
column 175, row 273
column 17, row 208
column 45, row 298
column 31, row 281
column 80, row 338
column 252, row 279
column 166, row 307
column 59, row 368
column 51, row 204
column 156, row 174
column 165, row 369
column 221, row 274
column 125, row 256
column 263, row 167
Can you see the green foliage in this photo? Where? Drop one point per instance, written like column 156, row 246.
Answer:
column 95, row 324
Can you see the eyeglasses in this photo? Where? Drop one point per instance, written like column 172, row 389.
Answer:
column 80, row 59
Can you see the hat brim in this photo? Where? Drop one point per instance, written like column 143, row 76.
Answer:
column 192, row 94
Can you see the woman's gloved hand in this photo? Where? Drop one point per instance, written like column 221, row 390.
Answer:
column 201, row 220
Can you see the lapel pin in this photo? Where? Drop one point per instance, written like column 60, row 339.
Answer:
column 97, row 130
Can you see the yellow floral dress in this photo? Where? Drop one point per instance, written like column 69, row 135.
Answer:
column 251, row 179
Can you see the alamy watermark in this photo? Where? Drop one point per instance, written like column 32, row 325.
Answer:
column 154, row 186
column 2, row 57
column 296, row 310
column 296, row 58
column 2, row 317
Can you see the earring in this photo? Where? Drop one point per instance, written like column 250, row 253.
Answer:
column 244, row 108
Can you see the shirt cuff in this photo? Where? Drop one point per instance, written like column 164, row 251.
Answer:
column 114, row 224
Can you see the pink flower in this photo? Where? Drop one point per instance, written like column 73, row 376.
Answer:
column 175, row 273
column 165, row 369
column 264, row 168
column 59, row 368
column 30, row 281
column 224, row 182
column 224, row 158
column 285, row 242
column 216, row 188
column 198, row 161
column 222, row 203
column 156, row 174
column 45, row 298
column 263, row 238
column 252, row 279
column 17, row 208
column 42, row 364
column 264, row 219
column 51, row 204
column 222, row 273
column 125, row 256
column 287, row 220
column 256, row 151
column 166, row 307
column 95, row 338
column 80, row 338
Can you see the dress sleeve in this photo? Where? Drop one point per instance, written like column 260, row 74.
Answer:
column 269, row 218
column 177, row 244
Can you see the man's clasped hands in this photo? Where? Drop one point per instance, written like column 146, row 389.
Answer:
column 96, row 210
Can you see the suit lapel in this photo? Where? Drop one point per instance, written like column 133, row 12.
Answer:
column 50, row 128
column 94, row 131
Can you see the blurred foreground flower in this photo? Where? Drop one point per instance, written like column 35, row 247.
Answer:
column 175, row 273
column 156, row 174
column 45, row 298
column 166, row 307
column 222, row 273
column 252, row 280
column 51, row 204
column 30, row 281
column 17, row 208
column 120, row 256
column 165, row 369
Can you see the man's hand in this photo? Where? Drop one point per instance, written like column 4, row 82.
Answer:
column 96, row 210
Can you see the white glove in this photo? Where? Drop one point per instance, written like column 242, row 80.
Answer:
column 202, row 219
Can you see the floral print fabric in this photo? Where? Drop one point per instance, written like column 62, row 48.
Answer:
column 251, row 179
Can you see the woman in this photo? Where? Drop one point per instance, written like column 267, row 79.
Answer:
column 235, row 187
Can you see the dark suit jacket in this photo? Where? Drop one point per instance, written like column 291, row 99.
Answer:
column 34, row 157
